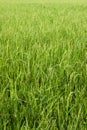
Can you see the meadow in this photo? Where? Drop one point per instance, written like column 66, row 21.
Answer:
column 43, row 65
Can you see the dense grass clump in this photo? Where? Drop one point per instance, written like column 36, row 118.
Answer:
column 43, row 66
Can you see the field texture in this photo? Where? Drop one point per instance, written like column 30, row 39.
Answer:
column 43, row 65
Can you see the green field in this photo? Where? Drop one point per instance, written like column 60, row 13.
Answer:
column 43, row 65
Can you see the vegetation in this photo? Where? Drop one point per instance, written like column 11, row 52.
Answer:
column 43, row 66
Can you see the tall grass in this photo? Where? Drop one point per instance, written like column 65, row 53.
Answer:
column 43, row 66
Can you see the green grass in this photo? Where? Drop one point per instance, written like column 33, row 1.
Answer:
column 43, row 66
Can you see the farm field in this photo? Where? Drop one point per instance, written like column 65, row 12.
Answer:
column 43, row 65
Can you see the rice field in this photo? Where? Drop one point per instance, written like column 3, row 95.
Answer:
column 43, row 65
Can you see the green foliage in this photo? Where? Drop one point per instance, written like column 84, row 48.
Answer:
column 43, row 66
